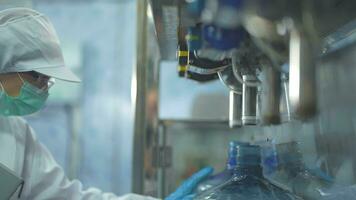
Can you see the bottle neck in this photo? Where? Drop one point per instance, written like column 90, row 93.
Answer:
column 247, row 165
column 245, row 158
column 248, row 170
column 231, row 162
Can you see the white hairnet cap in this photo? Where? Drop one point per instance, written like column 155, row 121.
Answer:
column 28, row 42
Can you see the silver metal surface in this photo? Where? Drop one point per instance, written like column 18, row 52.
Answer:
column 270, row 95
column 139, row 99
column 285, row 99
column 325, row 20
column 235, row 106
column 145, row 96
column 302, row 88
column 341, row 38
column 217, row 123
column 162, row 170
column 249, row 98
column 165, row 14
column 228, row 79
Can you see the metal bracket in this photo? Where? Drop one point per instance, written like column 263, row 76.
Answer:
column 162, row 157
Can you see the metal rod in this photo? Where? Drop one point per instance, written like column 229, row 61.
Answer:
column 139, row 99
column 249, row 95
column 235, row 106
column 270, row 95
column 302, row 86
column 286, row 95
column 161, row 172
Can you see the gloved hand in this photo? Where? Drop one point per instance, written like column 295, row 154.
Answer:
column 184, row 192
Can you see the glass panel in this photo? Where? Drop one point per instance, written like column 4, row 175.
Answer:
column 98, row 41
column 181, row 98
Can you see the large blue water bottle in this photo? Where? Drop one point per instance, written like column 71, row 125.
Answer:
column 294, row 175
column 247, row 181
column 227, row 173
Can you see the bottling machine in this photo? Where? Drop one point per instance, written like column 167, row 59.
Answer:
column 289, row 70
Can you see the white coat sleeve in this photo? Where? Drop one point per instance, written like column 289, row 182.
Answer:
column 45, row 179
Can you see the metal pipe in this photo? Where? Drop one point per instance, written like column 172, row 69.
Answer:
column 249, row 95
column 235, row 105
column 236, row 71
column 139, row 99
column 302, row 86
column 286, row 95
column 270, row 95
column 161, row 172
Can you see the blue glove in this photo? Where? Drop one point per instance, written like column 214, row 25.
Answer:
column 184, row 192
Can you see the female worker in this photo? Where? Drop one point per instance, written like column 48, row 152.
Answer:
column 30, row 60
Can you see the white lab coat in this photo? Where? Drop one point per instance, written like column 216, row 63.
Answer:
column 44, row 178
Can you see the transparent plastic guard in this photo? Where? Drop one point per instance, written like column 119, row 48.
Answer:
column 288, row 171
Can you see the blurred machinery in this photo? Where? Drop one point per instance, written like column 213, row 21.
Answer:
column 284, row 63
column 255, row 39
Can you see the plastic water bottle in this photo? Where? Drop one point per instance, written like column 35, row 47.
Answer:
column 227, row 173
column 337, row 193
column 247, row 181
column 293, row 175
column 269, row 159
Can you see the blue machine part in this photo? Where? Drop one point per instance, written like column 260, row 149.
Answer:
column 223, row 39
column 194, row 38
column 196, row 7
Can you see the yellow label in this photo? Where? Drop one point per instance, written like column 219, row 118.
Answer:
column 182, row 68
column 192, row 37
column 183, row 53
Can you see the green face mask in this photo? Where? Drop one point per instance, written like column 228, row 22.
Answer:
column 30, row 100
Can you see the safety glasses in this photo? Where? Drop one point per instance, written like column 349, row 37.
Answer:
column 41, row 81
